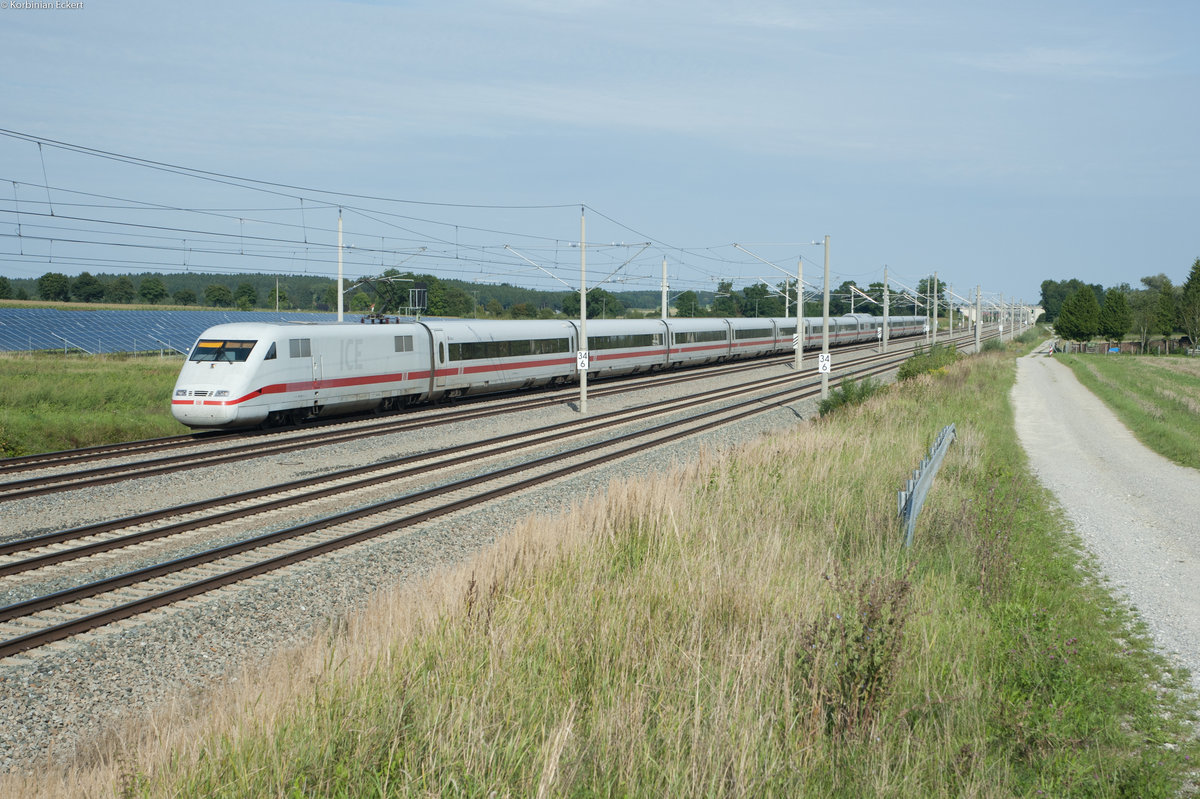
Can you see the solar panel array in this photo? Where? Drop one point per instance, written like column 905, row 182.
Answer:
column 26, row 329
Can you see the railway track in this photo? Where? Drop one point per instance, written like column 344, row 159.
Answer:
column 39, row 620
column 250, row 444
column 77, row 468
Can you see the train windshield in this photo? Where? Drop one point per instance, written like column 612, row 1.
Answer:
column 222, row 350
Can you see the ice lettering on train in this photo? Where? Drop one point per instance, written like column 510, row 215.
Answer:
column 352, row 360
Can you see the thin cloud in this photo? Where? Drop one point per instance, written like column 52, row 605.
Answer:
column 1096, row 61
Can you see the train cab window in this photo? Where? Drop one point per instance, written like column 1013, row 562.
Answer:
column 404, row 343
column 270, row 356
column 441, row 352
column 300, row 347
column 220, row 350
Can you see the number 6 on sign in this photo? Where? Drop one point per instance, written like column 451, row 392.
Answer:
column 581, row 360
column 823, row 364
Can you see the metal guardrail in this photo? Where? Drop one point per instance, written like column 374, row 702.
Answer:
column 912, row 496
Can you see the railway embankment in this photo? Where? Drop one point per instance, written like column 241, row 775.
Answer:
column 746, row 623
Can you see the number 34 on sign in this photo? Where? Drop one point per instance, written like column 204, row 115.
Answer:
column 823, row 363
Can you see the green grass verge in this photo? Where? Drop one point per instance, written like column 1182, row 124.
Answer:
column 851, row 391
column 756, row 628
column 938, row 357
column 51, row 402
column 1158, row 398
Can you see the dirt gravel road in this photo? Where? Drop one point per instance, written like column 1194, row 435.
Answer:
column 1135, row 510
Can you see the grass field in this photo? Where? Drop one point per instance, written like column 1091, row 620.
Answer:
column 749, row 626
column 1158, row 398
column 50, row 401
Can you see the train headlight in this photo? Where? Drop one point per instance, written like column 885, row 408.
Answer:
column 181, row 392
column 224, row 392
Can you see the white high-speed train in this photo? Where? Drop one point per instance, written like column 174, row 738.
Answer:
column 251, row 374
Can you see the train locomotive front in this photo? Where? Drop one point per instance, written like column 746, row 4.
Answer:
column 248, row 374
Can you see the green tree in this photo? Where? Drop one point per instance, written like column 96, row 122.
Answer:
column 1142, row 306
column 1189, row 306
column 87, row 288
column 1164, row 312
column 277, row 297
column 494, row 308
column 600, row 304
column 120, row 290
column 522, row 310
column 152, row 290
column 184, row 297
column 5, row 288
column 328, row 299
column 218, row 295
column 1115, row 316
column 686, row 304
column 54, row 286
column 726, row 303
column 246, row 296
column 447, row 300
column 842, row 299
column 758, row 300
column 360, row 302
column 1079, row 318
column 1055, row 293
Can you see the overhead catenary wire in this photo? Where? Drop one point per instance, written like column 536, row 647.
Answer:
column 469, row 249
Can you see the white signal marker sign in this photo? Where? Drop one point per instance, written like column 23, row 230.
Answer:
column 795, row 340
column 823, row 363
column 581, row 360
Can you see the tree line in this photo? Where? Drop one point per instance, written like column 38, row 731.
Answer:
column 389, row 293
column 395, row 292
column 1084, row 311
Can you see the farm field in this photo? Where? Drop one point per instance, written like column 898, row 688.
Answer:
column 1158, row 398
column 50, row 401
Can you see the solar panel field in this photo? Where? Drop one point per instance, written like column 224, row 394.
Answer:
column 108, row 331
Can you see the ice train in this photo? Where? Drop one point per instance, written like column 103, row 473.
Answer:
column 255, row 374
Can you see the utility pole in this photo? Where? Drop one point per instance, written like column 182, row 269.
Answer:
column 664, row 292
column 799, row 311
column 584, row 355
column 887, row 305
column 978, row 318
column 934, row 301
column 825, row 327
column 339, row 286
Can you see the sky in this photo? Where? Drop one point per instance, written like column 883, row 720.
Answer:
column 998, row 144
